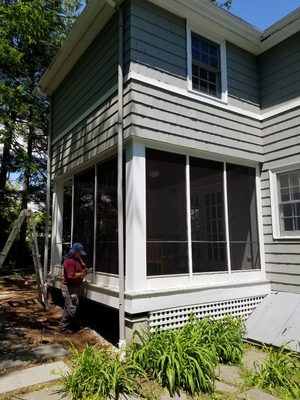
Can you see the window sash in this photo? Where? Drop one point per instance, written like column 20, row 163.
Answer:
column 288, row 189
column 199, row 81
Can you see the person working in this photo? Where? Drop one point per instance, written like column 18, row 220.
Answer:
column 74, row 271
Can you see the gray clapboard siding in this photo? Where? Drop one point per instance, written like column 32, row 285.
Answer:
column 282, row 269
column 242, row 74
column 166, row 117
column 277, row 286
column 93, row 86
column 282, row 154
column 90, row 137
column 290, row 258
column 281, row 147
column 265, row 196
column 158, row 39
column 279, row 72
column 285, row 278
column 91, row 78
column 278, row 127
column 292, row 158
column 196, row 111
column 287, row 247
column 268, row 231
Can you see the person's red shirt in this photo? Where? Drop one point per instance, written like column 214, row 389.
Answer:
column 71, row 266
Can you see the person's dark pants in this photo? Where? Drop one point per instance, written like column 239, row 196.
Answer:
column 71, row 301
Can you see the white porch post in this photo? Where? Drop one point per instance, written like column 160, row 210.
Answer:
column 56, row 247
column 136, row 279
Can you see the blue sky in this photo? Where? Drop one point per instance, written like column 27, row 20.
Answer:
column 263, row 13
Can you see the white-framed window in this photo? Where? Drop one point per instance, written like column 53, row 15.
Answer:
column 206, row 58
column 285, row 197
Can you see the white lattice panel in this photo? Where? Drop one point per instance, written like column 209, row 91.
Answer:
column 176, row 317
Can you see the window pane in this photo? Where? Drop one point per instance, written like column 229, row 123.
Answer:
column 288, row 224
column 83, row 230
column 287, row 210
column 204, row 57
column 107, row 218
column 207, row 216
column 284, row 181
column 166, row 213
column 295, row 193
column 243, row 230
column 212, row 89
column 203, row 74
column 289, row 204
column 212, row 77
column 203, row 86
column 285, row 194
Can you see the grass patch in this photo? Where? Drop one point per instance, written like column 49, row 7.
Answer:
column 279, row 373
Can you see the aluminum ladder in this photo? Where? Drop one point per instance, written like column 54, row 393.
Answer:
column 41, row 286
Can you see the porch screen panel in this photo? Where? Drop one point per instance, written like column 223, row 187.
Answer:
column 242, row 215
column 107, row 218
column 83, row 221
column 207, row 216
column 166, row 213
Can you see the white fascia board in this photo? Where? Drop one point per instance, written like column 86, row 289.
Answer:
column 215, row 20
column 89, row 24
column 281, row 30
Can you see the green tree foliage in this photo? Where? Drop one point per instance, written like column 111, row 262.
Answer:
column 223, row 4
column 31, row 32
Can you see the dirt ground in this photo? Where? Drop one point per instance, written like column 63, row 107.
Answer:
column 20, row 310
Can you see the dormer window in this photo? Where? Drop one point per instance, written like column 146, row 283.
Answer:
column 206, row 68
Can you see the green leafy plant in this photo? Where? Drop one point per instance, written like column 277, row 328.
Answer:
column 97, row 374
column 185, row 358
column 279, row 372
column 225, row 335
column 176, row 360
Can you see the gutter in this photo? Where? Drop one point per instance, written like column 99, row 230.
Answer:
column 122, row 339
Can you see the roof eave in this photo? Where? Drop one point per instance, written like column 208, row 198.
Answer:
column 281, row 30
column 89, row 24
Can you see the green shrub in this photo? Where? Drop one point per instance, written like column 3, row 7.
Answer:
column 222, row 335
column 98, row 374
column 225, row 335
column 176, row 361
column 185, row 358
column 278, row 373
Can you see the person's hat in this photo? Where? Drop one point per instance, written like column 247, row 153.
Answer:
column 78, row 247
column 74, row 249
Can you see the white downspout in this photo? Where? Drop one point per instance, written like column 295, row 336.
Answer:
column 39, row 92
column 122, row 339
column 48, row 194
